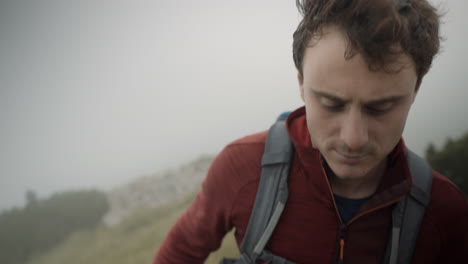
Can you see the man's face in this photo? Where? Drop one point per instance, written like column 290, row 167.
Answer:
column 355, row 116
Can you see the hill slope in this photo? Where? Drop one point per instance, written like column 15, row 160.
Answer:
column 134, row 240
column 156, row 190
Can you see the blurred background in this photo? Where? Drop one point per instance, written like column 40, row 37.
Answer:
column 98, row 97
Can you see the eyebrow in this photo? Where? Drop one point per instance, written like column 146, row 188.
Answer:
column 329, row 96
column 393, row 98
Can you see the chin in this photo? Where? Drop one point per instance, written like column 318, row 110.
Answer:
column 350, row 172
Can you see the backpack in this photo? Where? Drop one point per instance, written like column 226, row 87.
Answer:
column 272, row 195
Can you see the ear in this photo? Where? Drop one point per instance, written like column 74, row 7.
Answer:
column 300, row 80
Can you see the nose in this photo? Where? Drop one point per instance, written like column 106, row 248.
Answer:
column 354, row 130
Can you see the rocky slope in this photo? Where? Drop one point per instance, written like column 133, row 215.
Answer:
column 156, row 190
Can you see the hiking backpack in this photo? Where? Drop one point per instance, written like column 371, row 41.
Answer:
column 272, row 195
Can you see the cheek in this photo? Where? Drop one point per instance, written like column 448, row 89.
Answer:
column 389, row 130
column 321, row 125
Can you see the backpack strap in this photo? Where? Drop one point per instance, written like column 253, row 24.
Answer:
column 272, row 193
column 409, row 212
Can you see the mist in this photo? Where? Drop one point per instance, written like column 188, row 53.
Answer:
column 96, row 93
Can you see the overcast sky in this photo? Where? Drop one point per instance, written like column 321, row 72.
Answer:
column 94, row 93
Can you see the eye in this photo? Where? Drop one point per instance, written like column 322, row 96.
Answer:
column 379, row 109
column 331, row 105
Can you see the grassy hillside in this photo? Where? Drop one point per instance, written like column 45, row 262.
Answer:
column 135, row 240
column 42, row 224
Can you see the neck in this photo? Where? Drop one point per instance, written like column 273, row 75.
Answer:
column 357, row 188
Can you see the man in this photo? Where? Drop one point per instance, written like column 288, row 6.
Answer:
column 360, row 66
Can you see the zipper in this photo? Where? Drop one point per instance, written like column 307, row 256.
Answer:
column 341, row 239
column 332, row 196
column 342, row 231
column 343, row 226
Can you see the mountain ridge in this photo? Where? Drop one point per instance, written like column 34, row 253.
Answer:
column 156, row 190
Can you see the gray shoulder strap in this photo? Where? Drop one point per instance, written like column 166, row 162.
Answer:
column 409, row 212
column 272, row 192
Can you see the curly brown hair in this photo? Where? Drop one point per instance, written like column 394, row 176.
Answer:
column 380, row 30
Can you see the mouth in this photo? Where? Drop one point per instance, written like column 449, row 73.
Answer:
column 349, row 159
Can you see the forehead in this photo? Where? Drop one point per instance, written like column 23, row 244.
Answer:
column 325, row 67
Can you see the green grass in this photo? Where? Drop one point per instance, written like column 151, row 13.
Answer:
column 134, row 240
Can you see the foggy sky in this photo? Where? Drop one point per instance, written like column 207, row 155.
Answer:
column 97, row 93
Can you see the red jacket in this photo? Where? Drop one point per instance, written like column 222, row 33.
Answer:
column 308, row 230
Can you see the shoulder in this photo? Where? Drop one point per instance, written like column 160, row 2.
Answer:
column 243, row 151
column 239, row 162
column 250, row 140
column 445, row 225
column 446, row 195
column 448, row 207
